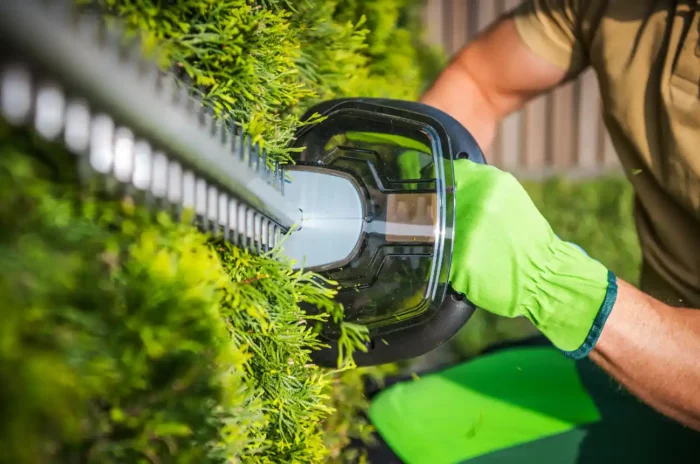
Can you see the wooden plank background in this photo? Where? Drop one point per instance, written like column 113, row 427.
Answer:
column 558, row 133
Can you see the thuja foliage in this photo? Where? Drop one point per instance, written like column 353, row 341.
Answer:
column 263, row 63
column 132, row 337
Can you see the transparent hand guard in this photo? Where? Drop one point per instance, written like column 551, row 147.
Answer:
column 399, row 155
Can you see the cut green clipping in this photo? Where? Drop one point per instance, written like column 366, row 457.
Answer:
column 508, row 261
column 488, row 404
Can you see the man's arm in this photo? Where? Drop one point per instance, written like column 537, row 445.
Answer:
column 653, row 350
column 492, row 76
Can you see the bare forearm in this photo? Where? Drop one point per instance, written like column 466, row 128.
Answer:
column 490, row 78
column 653, row 350
column 459, row 95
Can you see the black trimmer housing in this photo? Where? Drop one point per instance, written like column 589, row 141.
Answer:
column 376, row 187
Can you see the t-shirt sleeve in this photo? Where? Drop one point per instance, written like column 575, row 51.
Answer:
column 557, row 30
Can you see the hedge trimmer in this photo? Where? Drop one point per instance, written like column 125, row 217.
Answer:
column 368, row 202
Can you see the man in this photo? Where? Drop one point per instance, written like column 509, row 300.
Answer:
column 555, row 403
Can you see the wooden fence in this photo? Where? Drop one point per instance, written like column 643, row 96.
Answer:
column 558, row 133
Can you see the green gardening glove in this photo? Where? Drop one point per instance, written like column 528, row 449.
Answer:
column 508, row 261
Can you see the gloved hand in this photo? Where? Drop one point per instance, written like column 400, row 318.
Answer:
column 507, row 260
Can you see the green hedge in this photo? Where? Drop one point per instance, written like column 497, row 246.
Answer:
column 128, row 337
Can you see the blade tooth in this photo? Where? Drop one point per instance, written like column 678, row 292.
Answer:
column 201, row 110
column 241, row 223
column 263, row 234
column 123, row 154
column 213, row 209
column 101, row 143
column 280, row 174
column 188, row 189
column 259, row 234
column 183, row 96
column 266, row 170
column 222, row 133
column 195, row 108
column 273, row 243
column 250, row 230
column 201, row 202
column 268, row 236
column 50, row 109
column 159, row 183
column 275, row 235
column 225, row 215
column 233, row 221
column 212, row 122
column 256, row 233
column 242, row 145
column 276, row 174
column 174, row 183
column 218, row 132
column 233, row 141
column 259, row 165
column 179, row 191
column 249, row 153
column 16, row 94
column 174, row 190
column 76, row 131
column 142, row 172
column 222, row 214
column 202, row 118
column 269, row 170
column 203, row 113
column 149, row 196
column 253, row 235
column 245, row 242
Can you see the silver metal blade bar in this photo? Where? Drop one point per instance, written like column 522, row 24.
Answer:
column 51, row 38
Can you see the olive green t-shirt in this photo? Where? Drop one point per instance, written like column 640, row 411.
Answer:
column 646, row 55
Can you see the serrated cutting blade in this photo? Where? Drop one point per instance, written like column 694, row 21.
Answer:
column 73, row 82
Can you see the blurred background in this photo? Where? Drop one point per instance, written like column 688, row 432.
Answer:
column 558, row 146
column 559, row 133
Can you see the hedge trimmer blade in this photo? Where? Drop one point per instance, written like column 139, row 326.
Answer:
column 73, row 82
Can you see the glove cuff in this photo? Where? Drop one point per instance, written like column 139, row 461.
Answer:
column 570, row 298
column 599, row 321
